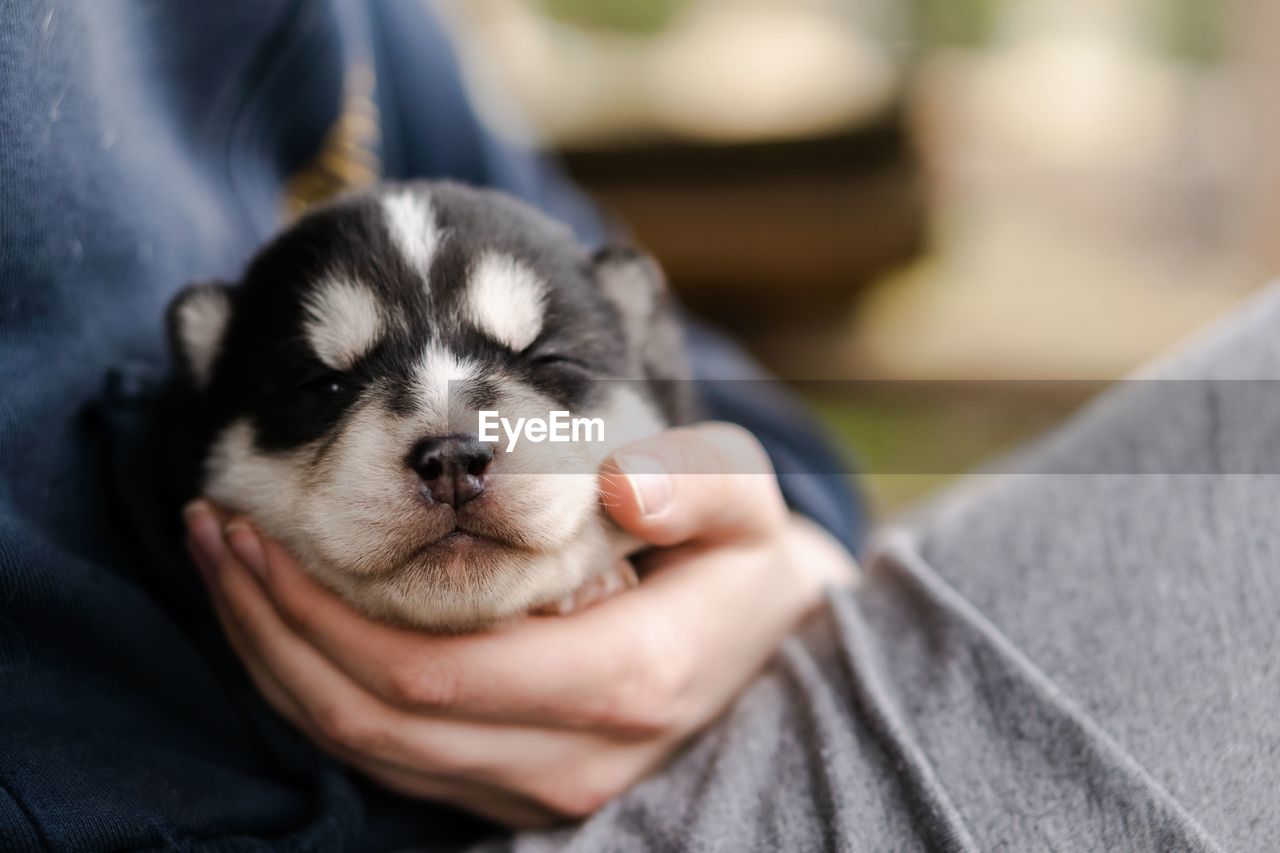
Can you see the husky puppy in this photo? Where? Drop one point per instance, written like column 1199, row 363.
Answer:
column 334, row 395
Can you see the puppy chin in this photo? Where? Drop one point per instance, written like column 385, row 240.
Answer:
column 466, row 582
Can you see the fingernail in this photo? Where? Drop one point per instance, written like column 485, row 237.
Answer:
column 205, row 530
column 649, row 480
column 246, row 545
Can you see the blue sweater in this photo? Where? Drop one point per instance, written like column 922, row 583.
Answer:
column 145, row 145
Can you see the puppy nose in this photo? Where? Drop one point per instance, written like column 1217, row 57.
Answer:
column 452, row 468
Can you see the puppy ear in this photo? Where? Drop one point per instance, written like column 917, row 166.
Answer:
column 198, row 319
column 634, row 283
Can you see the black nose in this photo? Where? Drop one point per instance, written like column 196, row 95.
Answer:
column 452, row 468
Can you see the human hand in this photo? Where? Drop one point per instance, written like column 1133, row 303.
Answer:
column 544, row 718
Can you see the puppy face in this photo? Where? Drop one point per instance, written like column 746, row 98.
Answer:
column 341, row 382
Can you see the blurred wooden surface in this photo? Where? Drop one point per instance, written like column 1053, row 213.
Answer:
column 766, row 232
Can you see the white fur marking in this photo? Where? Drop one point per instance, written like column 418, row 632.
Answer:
column 506, row 300
column 435, row 372
column 242, row 477
column 413, row 228
column 202, row 321
column 343, row 322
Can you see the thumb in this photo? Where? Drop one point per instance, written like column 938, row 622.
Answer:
column 710, row 481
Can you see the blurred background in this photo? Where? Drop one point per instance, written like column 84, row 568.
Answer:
column 983, row 210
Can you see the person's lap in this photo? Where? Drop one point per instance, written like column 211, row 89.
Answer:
column 1077, row 653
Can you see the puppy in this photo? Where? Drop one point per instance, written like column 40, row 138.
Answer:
column 335, row 395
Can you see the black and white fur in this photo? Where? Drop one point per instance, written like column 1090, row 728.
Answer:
column 376, row 327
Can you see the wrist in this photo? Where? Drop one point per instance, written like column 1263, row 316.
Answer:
column 816, row 558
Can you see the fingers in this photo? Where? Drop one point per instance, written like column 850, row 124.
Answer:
column 558, row 672
column 640, row 672
column 630, row 667
column 485, row 800
column 708, row 482
column 398, row 747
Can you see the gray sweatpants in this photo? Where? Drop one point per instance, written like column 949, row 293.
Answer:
column 1079, row 653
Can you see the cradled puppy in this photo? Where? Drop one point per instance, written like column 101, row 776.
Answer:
column 335, row 393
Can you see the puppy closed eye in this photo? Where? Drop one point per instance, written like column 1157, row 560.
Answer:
column 552, row 360
column 563, row 377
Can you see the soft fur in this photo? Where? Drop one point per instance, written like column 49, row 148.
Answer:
column 390, row 318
